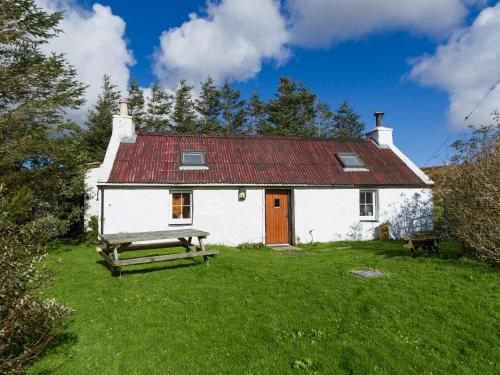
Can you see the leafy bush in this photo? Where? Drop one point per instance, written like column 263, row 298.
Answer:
column 471, row 192
column 28, row 323
column 46, row 228
column 94, row 227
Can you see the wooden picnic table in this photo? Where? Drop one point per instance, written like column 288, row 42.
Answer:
column 429, row 241
column 119, row 242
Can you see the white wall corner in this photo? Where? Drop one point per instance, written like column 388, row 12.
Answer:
column 92, row 205
column 412, row 165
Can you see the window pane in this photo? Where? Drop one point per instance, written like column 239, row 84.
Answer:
column 176, row 212
column 186, row 212
column 350, row 159
column 177, row 199
column 362, row 198
column 369, row 210
column 369, row 197
column 193, row 158
column 367, row 203
column 277, row 203
column 181, row 205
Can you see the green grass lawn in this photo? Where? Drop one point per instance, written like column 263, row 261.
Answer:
column 258, row 312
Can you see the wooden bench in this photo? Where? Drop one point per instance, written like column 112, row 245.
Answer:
column 121, row 242
column 429, row 241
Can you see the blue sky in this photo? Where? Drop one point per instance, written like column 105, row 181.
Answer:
column 377, row 62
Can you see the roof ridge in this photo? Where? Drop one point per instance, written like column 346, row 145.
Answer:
column 242, row 136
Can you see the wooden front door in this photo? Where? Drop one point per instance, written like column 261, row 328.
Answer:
column 277, row 217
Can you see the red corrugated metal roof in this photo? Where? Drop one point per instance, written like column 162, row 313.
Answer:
column 155, row 158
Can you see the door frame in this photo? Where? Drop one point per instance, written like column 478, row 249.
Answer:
column 291, row 213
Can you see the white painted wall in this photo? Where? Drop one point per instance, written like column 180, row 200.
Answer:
column 92, row 204
column 323, row 215
column 215, row 210
column 328, row 214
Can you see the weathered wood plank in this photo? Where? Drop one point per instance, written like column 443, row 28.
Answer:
column 106, row 257
column 161, row 258
column 156, row 245
column 118, row 238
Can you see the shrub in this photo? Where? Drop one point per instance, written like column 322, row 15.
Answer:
column 471, row 194
column 28, row 323
column 94, row 227
column 45, row 228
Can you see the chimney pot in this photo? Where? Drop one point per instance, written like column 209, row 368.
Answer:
column 378, row 119
column 123, row 107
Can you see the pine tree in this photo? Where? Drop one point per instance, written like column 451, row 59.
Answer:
column 233, row 109
column 208, row 107
column 257, row 122
column 37, row 149
column 100, row 120
column 136, row 103
column 159, row 107
column 346, row 123
column 307, row 111
column 324, row 119
column 184, row 117
column 292, row 110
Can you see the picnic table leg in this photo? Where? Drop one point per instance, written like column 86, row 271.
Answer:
column 430, row 249
column 189, row 243
column 436, row 245
column 202, row 247
column 413, row 249
column 116, row 269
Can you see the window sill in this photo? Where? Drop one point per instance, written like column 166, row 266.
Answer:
column 180, row 222
column 356, row 169
column 368, row 220
column 193, row 168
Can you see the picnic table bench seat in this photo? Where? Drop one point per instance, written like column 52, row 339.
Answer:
column 117, row 243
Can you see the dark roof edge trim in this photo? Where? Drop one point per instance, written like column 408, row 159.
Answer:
column 166, row 184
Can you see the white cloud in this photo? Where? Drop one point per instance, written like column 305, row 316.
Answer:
column 94, row 43
column 466, row 67
column 318, row 23
column 231, row 41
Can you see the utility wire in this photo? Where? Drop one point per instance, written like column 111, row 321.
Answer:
column 483, row 99
column 465, row 119
column 438, row 149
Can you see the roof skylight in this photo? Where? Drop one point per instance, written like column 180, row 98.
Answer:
column 193, row 158
column 350, row 160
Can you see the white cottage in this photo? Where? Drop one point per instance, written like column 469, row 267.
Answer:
column 257, row 189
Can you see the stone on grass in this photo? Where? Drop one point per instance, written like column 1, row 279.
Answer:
column 293, row 253
column 368, row 273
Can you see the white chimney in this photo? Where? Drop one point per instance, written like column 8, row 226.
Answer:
column 123, row 126
column 381, row 135
column 123, row 132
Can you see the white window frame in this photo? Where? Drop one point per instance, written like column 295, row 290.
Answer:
column 373, row 217
column 340, row 155
column 193, row 152
column 181, row 221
